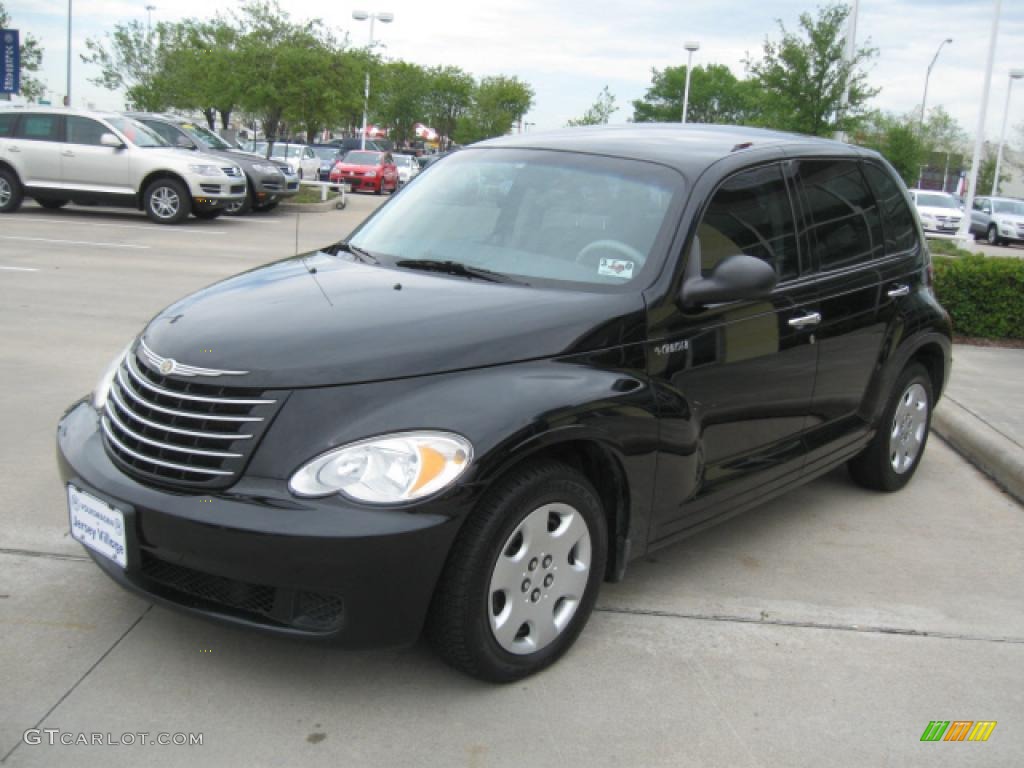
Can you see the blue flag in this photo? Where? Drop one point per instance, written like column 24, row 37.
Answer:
column 10, row 61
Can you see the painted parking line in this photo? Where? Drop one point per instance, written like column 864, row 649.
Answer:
column 73, row 242
column 161, row 230
column 19, row 269
column 241, row 220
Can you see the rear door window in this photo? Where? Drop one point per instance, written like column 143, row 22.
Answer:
column 751, row 214
column 845, row 223
column 900, row 230
column 39, row 127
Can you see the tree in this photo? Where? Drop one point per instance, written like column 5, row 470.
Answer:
column 31, row 57
column 897, row 139
column 128, row 58
column 600, row 111
column 402, row 101
column 716, row 96
column 801, row 78
column 448, row 99
column 498, row 104
column 987, row 171
column 941, row 131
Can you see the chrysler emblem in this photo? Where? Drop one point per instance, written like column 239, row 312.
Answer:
column 167, row 366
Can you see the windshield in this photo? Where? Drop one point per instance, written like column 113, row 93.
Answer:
column 936, row 201
column 1012, row 207
column 286, row 150
column 137, row 133
column 362, row 158
column 536, row 215
column 403, row 160
column 326, row 153
column 205, row 136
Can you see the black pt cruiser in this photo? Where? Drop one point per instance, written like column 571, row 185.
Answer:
column 548, row 355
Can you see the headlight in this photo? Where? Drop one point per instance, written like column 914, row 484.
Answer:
column 387, row 469
column 265, row 168
column 927, row 217
column 1007, row 224
column 102, row 389
column 370, row 174
column 205, row 170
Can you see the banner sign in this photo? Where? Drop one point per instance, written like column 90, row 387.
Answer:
column 10, row 61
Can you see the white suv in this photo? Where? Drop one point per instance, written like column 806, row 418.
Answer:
column 939, row 212
column 58, row 156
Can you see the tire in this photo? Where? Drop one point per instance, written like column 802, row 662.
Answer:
column 476, row 626
column 380, row 189
column 266, row 207
column 167, row 201
column 11, row 192
column 894, row 454
column 208, row 213
column 992, row 236
column 52, row 205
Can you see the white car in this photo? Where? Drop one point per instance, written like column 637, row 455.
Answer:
column 938, row 211
column 57, row 156
column 407, row 168
column 300, row 157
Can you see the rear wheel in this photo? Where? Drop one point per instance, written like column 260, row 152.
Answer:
column 11, row 193
column 52, row 205
column 523, row 575
column 167, row 201
column 894, row 454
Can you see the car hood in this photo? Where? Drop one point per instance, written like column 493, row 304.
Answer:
column 318, row 320
column 356, row 167
column 934, row 211
column 1016, row 218
column 176, row 155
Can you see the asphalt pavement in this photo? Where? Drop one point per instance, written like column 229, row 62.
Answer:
column 828, row 627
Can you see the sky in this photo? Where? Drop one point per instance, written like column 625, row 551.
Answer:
column 568, row 50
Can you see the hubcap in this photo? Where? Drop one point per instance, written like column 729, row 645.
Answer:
column 5, row 192
column 539, row 579
column 165, row 202
column 908, row 429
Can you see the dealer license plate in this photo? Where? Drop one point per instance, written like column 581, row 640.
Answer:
column 97, row 525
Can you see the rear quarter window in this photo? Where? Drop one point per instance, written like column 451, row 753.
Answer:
column 6, row 125
column 900, row 230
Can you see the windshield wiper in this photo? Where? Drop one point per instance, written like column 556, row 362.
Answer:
column 457, row 268
column 364, row 256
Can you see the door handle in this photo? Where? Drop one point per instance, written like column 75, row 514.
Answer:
column 67, row 153
column 899, row 290
column 805, row 321
column 13, row 149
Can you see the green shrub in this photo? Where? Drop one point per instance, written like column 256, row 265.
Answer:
column 983, row 294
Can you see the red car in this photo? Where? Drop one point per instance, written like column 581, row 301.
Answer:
column 367, row 171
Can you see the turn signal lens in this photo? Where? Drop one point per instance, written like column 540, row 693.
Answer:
column 387, row 469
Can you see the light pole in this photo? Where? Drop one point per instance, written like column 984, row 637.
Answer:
column 149, row 20
column 927, row 77
column 690, row 46
column 963, row 234
column 383, row 18
column 1015, row 74
column 67, row 94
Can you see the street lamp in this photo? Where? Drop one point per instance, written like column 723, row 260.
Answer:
column 149, row 19
column 383, row 18
column 1015, row 74
column 690, row 46
column 67, row 94
column 924, row 98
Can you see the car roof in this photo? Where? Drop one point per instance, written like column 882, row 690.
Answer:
column 36, row 109
column 689, row 148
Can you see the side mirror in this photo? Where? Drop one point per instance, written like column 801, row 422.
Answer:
column 184, row 143
column 110, row 140
column 733, row 279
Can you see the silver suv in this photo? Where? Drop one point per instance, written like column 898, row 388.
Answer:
column 1000, row 220
column 58, row 156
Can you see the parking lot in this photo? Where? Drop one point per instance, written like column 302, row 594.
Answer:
column 825, row 628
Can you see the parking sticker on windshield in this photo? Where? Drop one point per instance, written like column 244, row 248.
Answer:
column 615, row 268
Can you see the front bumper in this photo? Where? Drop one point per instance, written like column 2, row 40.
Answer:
column 210, row 192
column 255, row 555
column 358, row 183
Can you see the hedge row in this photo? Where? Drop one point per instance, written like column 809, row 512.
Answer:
column 983, row 294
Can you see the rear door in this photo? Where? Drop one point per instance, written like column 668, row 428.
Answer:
column 35, row 149
column 854, row 276
column 735, row 380
column 88, row 166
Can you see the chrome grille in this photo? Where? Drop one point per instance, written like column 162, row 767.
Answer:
column 182, row 433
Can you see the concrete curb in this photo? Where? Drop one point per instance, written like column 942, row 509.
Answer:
column 997, row 456
column 327, row 205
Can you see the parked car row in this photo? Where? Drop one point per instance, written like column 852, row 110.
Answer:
column 999, row 220
column 57, row 156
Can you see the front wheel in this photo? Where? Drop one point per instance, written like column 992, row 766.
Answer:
column 993, row 235
column 894, row 454
column 167, row 201
column 523, row 575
